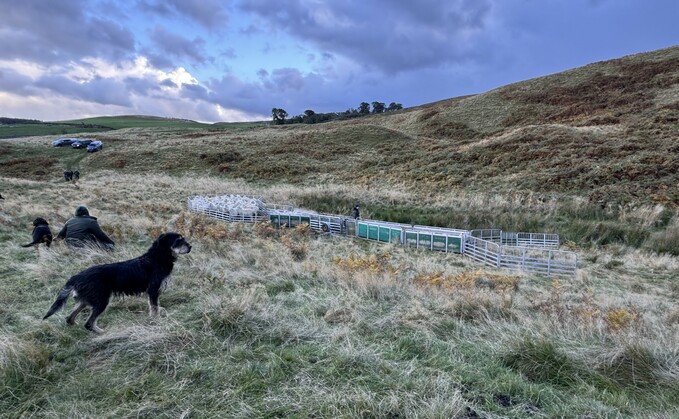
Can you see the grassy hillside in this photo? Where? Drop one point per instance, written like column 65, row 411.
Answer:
column 139, row 121
column 107, row 123
column 264, row 323
column 45, row 128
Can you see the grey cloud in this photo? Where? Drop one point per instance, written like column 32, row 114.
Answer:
column 284, row 87
column 100, row 90
column 53, row 31
column 177, row 46
column 228, row 53
column 390, row 35
column 168, row 83
column 233, row 93
column 208, row 13
column 142, row 86
column 287, row 78
column 158, row 8
column 13, row 82
column 195, row 92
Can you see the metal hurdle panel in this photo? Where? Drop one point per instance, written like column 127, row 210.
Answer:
column 490, row 234
column 546, row 240
column 482, row 251
column 319, row 222
column 279, row 219
column 544, row 261
column 322, row 223
column 436, row 239
column 378, row 231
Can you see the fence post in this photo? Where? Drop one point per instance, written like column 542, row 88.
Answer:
column 499, row 252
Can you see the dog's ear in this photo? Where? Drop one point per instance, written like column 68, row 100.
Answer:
column 157, row 241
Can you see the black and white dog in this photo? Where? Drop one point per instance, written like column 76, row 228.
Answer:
column 145, row 274
column 41, row 233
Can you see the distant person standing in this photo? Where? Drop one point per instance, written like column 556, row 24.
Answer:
column 83, row 229
column 355, row 212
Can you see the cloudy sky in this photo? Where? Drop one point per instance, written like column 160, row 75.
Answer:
column 234, row 60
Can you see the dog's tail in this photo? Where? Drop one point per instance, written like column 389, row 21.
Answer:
column 30, row 244
column 61, row 300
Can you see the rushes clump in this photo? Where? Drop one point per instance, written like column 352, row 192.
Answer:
column 23, row 365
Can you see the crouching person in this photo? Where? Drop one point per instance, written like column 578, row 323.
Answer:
column 83, row 230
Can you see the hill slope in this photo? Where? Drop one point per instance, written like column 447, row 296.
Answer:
column 606, row 131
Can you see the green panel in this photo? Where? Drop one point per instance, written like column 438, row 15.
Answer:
column 411, row 239
column 373, row 232
column 455, row 244
column 383, row 235
column 424, row 241
column 306, row 220
column 294, row 220
column 439, row 243
column 362, row 230
column 275, row 221
column 395, row 236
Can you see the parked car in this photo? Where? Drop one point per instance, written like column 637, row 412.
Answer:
column 83, row 143
column 63, row 142
column 94, row 146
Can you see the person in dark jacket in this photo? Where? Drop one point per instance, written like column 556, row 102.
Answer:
column 83, row 229
column 356, row 212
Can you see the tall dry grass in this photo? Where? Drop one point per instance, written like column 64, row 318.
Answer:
column 259, row 322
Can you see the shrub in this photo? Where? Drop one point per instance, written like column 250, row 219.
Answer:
column 666, row 241
column 632, row 366
column 541, row 362
column 203, row 227
column 621, row 318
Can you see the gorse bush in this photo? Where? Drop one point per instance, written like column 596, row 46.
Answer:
column 203, row 227
column 468, row 279
column 381, row 263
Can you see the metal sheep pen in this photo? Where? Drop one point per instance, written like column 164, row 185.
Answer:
column 534, row 252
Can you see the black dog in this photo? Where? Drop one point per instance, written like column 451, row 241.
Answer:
column 68, row 175
column 41, row 233
column 146, row 274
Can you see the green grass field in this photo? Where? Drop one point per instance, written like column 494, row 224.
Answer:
column 52, row 129
column 258, row 322
column 107, row 123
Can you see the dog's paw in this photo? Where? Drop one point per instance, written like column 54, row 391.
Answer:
column 157, row 311
column 95, row 329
